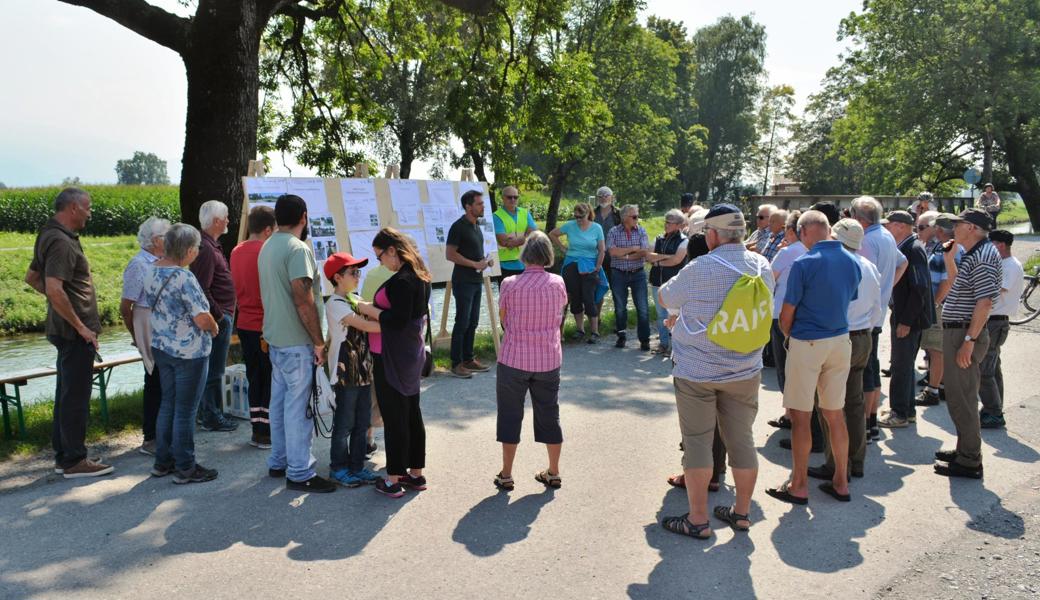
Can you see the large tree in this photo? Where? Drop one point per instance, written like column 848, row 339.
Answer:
column 220, row 45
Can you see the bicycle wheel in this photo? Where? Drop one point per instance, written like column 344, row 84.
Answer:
column 1029, row 304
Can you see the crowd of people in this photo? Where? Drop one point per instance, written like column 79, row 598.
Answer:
column 807, row 292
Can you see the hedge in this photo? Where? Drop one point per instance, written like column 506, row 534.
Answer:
column 116, row 209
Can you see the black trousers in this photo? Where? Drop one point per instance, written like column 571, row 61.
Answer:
column 403, row 427
column 258, row 372
column 75, row 368
column 152, row 398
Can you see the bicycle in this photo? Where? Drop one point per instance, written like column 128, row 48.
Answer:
column 1029, row 302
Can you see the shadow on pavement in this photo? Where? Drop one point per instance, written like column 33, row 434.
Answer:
column 1009, row 447
column 496, row 522
column 986, row 509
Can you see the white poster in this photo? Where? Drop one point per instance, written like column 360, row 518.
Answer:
column 420, row 245
column 437, row 221
column 264, row 191
column 360, row 204
column 442, row 193
column 361, row 247
column 487, row 227
column 404, row 196
column 322, row 228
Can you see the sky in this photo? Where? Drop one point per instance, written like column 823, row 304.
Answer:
column 81, row 92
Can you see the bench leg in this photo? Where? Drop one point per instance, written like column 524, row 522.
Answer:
column 4, row 398
column 21, row 414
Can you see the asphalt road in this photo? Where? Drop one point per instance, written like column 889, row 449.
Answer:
column 907, row 533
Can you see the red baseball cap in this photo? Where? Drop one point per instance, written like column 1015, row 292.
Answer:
column 340, row 260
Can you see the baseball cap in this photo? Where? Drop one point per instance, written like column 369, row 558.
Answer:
column 340, row 260
column 604, row 191
column 900, row 216
column 1002, row 235
column 849, row 232
column 725, row 216
column 975, row 216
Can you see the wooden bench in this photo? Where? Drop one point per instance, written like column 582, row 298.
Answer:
column 102, row 376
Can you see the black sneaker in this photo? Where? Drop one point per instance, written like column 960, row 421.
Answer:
column 946, row 455
column 161, row 470
column 221, row 425
column 593, row 338
column 922, row 381
column 955, row 469
column 276, row 473
column 197, row 475
column 386, row 488
column 926, row 398
column 786, row 445
column 620, row 343
column 886, row 372
column 578, row 335
column 317, row 485
column 644, row 346
column 416, row 483
column 370, row 449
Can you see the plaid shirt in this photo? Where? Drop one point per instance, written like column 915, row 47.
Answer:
column 697, row 293
column 619, row 237
column 532, row 303
column 773, row 246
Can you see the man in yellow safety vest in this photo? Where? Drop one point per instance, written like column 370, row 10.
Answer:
column 512, row 226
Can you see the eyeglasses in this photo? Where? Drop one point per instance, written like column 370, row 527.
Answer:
column 510, row 197
column 379, row 255
column 354, row 272
column 761, row 217
column 922, row 227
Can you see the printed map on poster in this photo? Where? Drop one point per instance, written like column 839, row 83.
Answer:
column 360, row 204
column 264, row 191
column 404, row 196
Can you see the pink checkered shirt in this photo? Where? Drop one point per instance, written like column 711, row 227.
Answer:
column 533, row 303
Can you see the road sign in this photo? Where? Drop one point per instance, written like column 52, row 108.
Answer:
column 972, row 175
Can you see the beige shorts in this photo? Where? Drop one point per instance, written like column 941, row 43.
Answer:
column 733, row 405
column 932, row 338
column 817, row 366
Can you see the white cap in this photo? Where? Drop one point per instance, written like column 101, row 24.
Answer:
column 697, row 220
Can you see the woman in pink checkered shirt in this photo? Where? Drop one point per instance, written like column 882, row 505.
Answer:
column 531, row 305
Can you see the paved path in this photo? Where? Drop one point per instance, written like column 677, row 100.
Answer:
column 245, row 536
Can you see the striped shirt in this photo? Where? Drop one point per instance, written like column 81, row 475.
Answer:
column 619, row 237
column 978, row 277
column 532, row 304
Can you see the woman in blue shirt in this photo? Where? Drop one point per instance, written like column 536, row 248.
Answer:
column 583, row 268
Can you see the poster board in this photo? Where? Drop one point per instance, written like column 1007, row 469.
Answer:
column 345, row 213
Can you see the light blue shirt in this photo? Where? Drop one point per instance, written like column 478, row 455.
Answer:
column 582, row 244
column 174, row 310
column 865, row 310
column 781, row 270
column 134, row 275
column 880, row 248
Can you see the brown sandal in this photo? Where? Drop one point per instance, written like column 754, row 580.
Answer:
column 549, row 479
column 504, row 483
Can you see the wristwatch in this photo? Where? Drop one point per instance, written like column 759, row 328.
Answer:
column 968, row 338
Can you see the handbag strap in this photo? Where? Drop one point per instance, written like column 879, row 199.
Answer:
column 161, row 288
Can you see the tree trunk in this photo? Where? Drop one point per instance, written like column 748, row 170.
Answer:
column 222, row 64
column 481, row 173
column 987, row 158
column 559, row 180
column 1024, row 169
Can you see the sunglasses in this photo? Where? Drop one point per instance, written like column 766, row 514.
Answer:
column 511, row 197
column 762, row 217
column 922, row 227
column 634, row 217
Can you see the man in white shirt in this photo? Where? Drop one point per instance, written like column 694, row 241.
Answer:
column 863, row 312
column 991, row 389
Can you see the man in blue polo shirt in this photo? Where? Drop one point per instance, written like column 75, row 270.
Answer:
column 814, row 317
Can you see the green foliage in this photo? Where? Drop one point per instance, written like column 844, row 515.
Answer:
column 115, row 209
column 774, row 121
column 23, row 309
column 144, row 168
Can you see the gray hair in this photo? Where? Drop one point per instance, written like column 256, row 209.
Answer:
column 628, row 209
column 866, row 208
column 152, row 228
column 67, row 196
column 728, row 236
column 928, row 218
column 675, row 216
column 211, row 210
column 779, row 214
column 792, row 219
column 770, row 207
column 537, row 251
column 181, row 238
column 813, row 217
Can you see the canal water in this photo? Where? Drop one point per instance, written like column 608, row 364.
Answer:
column 26, row 352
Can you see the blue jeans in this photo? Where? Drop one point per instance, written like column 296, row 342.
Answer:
column 292, row 374
column 663, row 334
column 182, row 381
column 467, row 315
column 620, row 283
column 213, row 398
column 350, row 428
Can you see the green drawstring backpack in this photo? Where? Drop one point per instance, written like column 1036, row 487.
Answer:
column 743, row 322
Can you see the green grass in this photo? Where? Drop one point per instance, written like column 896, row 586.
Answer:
column 124, row 414
column 1014, row 212
column 1032, row 263
column 22, row 309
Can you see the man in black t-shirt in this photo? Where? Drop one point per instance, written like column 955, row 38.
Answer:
column 465, row 248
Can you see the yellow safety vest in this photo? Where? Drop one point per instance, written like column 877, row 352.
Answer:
column 517, row 226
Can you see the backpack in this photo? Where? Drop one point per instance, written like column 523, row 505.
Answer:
column 745, row 317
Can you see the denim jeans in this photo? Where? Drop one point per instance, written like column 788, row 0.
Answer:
column 664, row 336
column 991, row 389
column 292, row 373
column 467, row 315
column 182, row 381
column 213, row 398
column 71, row 399
column 350, row 428
column 620, row 284
column 903, row 385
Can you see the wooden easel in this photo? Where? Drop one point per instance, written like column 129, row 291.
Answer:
column 443, row 336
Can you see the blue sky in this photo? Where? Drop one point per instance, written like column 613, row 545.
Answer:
column 81, row 92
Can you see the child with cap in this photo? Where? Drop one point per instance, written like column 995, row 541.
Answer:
column 350, row 370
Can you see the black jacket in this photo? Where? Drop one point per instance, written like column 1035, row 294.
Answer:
column 912, row 301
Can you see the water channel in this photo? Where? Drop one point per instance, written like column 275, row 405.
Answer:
column 33, row 351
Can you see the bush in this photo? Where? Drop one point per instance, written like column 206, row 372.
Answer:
column 116, row 209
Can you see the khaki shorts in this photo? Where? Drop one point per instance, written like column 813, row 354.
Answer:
column 817, row 366
column 733, row 405
column 932, row 338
